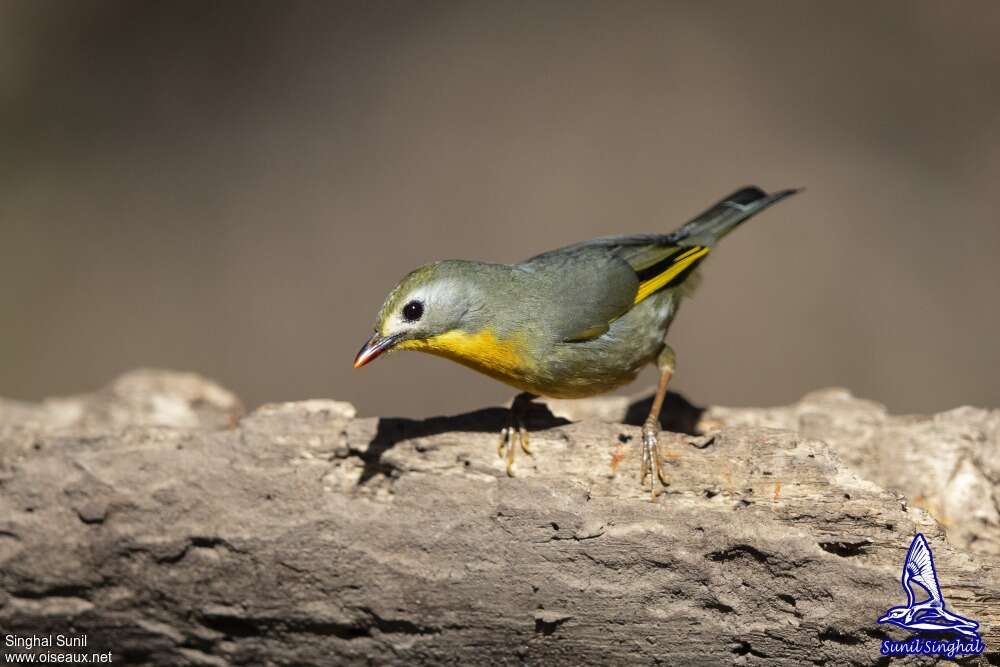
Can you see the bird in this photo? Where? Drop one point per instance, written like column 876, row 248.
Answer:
column 918, row 568
column 569, row 323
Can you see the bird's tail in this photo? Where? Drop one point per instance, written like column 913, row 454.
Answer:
column 707, row 228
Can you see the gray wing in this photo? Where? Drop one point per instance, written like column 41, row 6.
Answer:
column 655, row 266
column 919, row 568
column 584, row 289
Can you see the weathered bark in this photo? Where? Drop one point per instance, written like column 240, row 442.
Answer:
column 948, row 463
column 153, row 519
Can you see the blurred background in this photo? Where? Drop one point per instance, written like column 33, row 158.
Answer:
column 233, row 187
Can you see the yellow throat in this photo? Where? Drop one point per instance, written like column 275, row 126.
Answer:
column 502, row 360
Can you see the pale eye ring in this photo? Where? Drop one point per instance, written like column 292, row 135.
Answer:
column 413, row 311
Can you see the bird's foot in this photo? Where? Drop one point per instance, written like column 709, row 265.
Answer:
column 515, row 434
column 512, row 437
column 651, row 464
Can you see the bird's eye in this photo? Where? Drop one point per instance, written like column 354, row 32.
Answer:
column 413, row 311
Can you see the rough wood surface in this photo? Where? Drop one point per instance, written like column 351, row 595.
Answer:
column 170, row 530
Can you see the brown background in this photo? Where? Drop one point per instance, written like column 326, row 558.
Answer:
column 232, row 188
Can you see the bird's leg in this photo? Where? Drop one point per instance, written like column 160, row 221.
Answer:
column 515, row 433
column 651, row 464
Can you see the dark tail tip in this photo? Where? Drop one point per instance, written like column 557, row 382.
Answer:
column 747, row 195
column 781, row 194
column 727, row 214
column 752, row 193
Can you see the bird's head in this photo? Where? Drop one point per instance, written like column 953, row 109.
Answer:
column 428, row 303
column 895, row 615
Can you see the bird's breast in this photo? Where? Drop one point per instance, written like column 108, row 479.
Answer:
column 511, row 360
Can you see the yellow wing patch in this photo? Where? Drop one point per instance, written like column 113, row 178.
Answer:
column 677, row 266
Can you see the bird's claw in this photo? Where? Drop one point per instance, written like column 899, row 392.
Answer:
column 512, row 437
column 651, row 460
column 523, row 432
